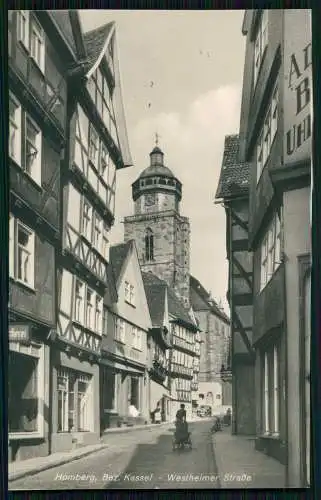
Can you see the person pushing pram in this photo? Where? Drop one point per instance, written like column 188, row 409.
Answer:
column 181, row 424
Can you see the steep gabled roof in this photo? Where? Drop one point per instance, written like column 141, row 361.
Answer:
column 176, row 309
column 63, row 22
column 235, row 175
column 95, row 41
column 118, row 255
column 201, row 300
column 155, row 290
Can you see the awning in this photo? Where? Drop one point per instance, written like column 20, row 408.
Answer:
column 121, row 367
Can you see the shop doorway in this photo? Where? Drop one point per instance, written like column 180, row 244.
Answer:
column 134, row 392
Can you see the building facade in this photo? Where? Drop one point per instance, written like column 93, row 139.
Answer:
column 214, row 342
column 124, row 374
column 275, row 138
column 162, row 235
column 38, row 62
column 92, row 157
column 158, row 347
column 233, row 193
column 183, row 360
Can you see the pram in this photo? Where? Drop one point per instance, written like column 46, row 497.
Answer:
column 182, row 437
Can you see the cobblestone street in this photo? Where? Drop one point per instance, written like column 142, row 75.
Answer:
column 139, row 459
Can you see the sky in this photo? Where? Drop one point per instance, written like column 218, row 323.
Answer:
column 181, row 75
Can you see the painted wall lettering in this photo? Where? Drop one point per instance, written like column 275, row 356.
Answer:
column 297, row 85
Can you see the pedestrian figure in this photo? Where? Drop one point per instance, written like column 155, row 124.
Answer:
column 157, row 414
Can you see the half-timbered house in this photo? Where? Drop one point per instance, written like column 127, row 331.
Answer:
column 233, row 193
column 182, row 367
column 96, row 148
column 124, row 372
column 158, row 346
column 275, row 140
column 39, row 59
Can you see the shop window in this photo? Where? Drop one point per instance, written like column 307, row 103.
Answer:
column 271, row 384
column 25, row 403
column 75, row 411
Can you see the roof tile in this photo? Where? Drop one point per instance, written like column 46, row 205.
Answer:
column 234, row 176
column 95, row 40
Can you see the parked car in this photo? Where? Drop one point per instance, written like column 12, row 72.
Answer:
column 204, row 411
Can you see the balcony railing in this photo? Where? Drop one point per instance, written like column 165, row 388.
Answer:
column 182, row 344
column 181, row 370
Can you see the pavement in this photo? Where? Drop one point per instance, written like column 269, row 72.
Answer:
column 23, row 468
column 144, row 459
column 239, row 465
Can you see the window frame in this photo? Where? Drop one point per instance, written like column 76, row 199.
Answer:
column 272, row 263
column 73, row 378
column 14, row 224
column 81, row 296
column 30, row 351
column 16, row 123
column 37, row 30
column 90, row 307
column 88, row 216
column 262, row 152
column 271, row 391
column 25, row 14
column 149, row 245
column 105, row 241
column 260, row 44
column 93, row 144
column 35, row 173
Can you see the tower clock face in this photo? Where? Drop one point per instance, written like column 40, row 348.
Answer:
column 149, row 199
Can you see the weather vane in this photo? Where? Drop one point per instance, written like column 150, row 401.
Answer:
column 156, row 138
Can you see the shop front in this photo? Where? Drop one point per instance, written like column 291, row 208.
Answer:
column 75, row 406
column 123, row 390
column 28, row 391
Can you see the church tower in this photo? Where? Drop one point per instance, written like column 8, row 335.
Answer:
column 162, row 235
